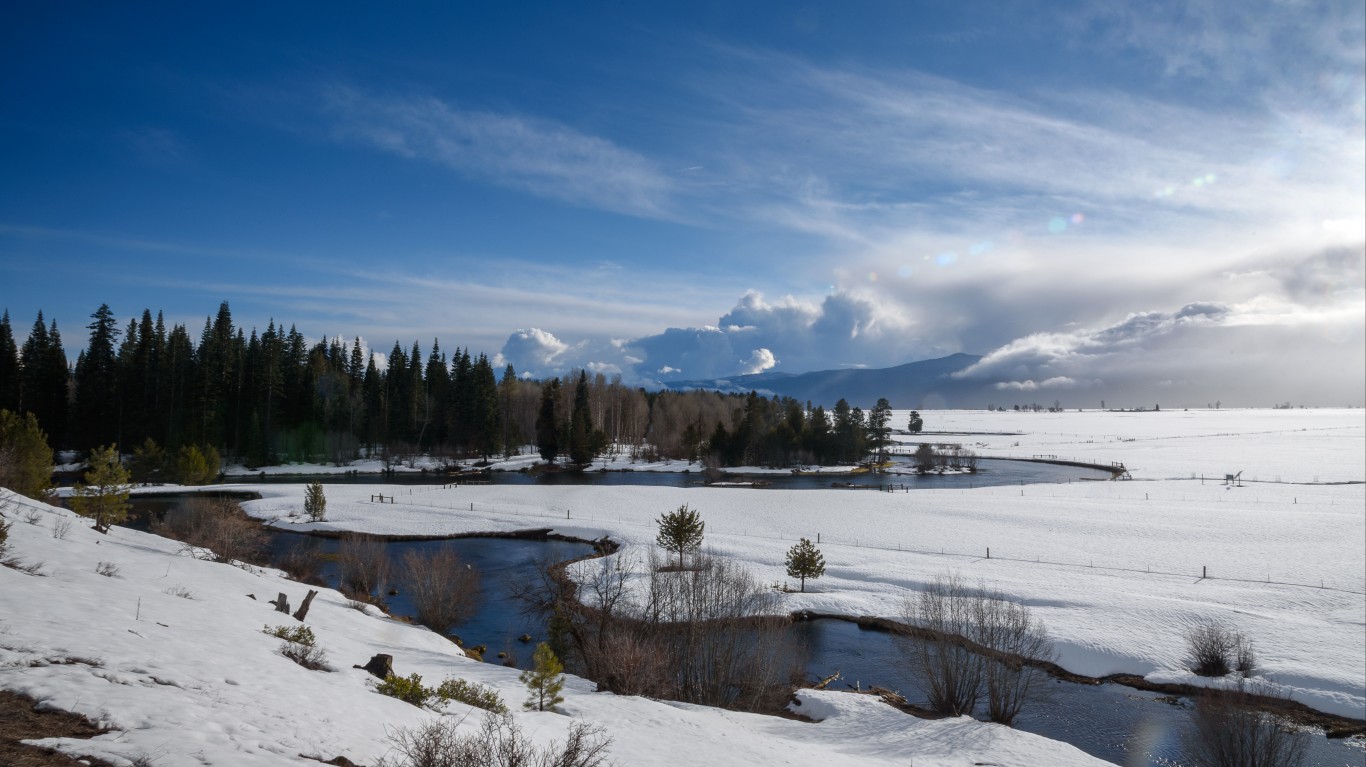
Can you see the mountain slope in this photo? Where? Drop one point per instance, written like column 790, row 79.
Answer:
column 923, row 384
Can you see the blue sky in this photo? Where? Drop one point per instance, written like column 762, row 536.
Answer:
column 1099, row 198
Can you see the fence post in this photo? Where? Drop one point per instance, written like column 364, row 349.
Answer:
column 988, row 552
column 1204, row 572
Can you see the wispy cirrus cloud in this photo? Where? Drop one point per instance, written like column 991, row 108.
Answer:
column 541, row 156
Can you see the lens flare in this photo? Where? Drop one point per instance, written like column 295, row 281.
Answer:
column 872, row 276
column 984, row 246
column 1058, row 225
column 904, row 271
column 1077, row 218
column 946, row 258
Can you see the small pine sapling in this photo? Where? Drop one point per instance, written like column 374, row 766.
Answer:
column 680, row 531
column 545, row 681
column 804, row 561
column 315, row 502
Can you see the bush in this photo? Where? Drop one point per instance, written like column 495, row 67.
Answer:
column 217, row 526
column 300, row 646
column 25, row 458
column 196, row 466
column 444, row 590
column 975, row 643
column 1214, row 649
column 107, row 569
column 315, row 502
column 363, row 564
column 1226, row 731
column 499, row 743
column 471, row 694
column 407, row 689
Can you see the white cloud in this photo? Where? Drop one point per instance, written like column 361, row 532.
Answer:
column 759, row 361
column 544, row 157
column 532, row 351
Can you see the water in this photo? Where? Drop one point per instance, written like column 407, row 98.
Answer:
column 1112, row 722
column 501, row 562
column 990, row 472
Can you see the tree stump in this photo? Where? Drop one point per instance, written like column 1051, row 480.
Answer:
column 303, row 608
column 380, row 665
column 281, row 603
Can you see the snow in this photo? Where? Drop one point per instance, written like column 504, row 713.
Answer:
column 193, row 680
column 1113, row 568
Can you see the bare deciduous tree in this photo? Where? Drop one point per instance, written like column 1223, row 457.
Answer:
column 217, row 526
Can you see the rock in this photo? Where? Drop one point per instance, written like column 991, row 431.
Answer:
column 381, row 666
column 524, row 638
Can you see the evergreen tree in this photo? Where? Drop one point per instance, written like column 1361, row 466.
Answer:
column 97, row 395
column 25, row 458
column 315, row 502
column 879, row 429
column 148, row 464
column 485, row 413
column 580, row 425
column 507, row 392
column 681, row 531
column 43, row 386
column 545, row 680
column 547, row 423
column 103, row 496
column 10, row 374
column 196, row 466
column 915, row 423
column 804, row 561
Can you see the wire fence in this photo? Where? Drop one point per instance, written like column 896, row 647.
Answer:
column 983, row 553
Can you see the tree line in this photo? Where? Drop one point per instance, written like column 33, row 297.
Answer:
column 266, row 397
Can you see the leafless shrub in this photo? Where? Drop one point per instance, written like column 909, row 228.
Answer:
column 443, row 589
column 107, row 569
column 179, row 591
column 216, row 528
column 61, row 527
column 32, row 516
column 363, row 562
column 710, row 634
column 499, row 743
column 976, row 643
column 1226, row 731
column 302, row 561
column 951, row 669
column 1246, row 658
column 1214, row 649
column 1014, row 638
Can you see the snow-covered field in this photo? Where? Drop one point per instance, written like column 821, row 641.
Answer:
column 208, row 683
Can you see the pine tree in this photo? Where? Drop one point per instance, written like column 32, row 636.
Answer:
column 25, row 458
column 97, row 395
column 9, row 366
column 680, row 531
column 915, row 423
column 315, row 503
column 545, row 680
column 879, row 429
column 580, row 425
column 547, row 424
column 804, row 561
column 103, row 496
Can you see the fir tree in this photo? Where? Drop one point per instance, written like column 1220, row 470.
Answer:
column 580, row 425
column 9, row 366
column 680, row 531
column 97, row 395
column 804, row 561
column 315, row 503
column 545, row 680
column 103, row 496
column 547, row 424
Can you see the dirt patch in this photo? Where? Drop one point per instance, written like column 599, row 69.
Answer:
column 19, row 721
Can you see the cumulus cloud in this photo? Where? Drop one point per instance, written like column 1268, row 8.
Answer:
column 759, row 361
column 532, row 351
column 845, row 328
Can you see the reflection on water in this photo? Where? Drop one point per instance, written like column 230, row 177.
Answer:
column 1121, row 725
column 991, row 472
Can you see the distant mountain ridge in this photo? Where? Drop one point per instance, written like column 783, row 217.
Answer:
column 925, row 384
